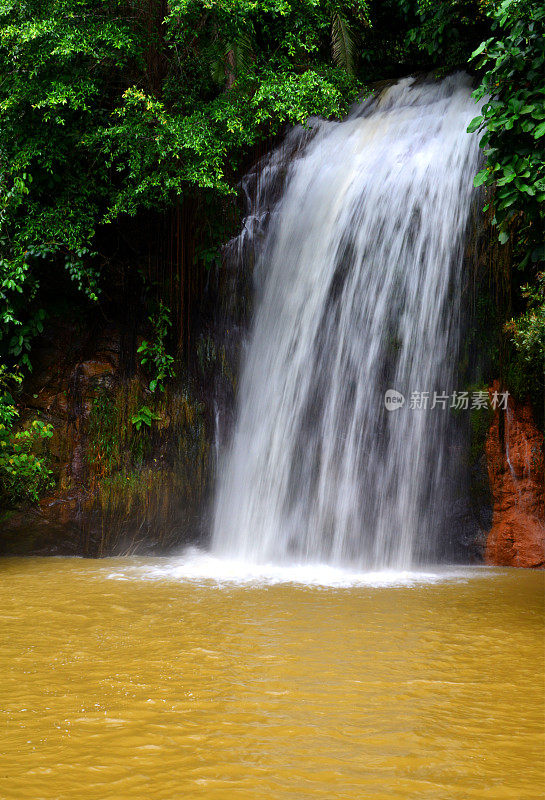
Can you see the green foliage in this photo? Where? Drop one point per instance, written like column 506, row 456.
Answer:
column 106, row 109
column 21, row 339
column 115, row 442
column 529, row 330
column 144, row 416
column 60, row 61
column 513, row 119
column 23, row 473
column 444, row 30
column 103, row 432
column 528, row 335
column 154, row 354
column 405, row 36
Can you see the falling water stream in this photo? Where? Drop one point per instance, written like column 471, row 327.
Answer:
column 359, row 280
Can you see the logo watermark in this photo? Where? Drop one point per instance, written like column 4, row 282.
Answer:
column 393, row 400
column 457, row 401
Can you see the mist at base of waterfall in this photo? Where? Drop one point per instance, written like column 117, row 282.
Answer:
column 197, row 566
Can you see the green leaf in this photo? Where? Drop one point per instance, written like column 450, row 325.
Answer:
column 474, row 124
column 480, row 177
column 480, row 49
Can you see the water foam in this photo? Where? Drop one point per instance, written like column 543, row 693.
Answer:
column 199, row 567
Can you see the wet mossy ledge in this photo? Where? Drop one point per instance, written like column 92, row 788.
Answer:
column 132, row 469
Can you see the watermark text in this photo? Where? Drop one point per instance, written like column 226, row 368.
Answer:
column 458, row 401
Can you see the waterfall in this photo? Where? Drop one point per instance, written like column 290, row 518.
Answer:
column 358, row 228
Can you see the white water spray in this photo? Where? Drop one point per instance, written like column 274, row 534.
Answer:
column 359, row 278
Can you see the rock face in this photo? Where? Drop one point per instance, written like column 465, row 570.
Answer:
column 118, row 489
column 514, row 450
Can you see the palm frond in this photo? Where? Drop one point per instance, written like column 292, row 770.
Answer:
column 243, row 52
column 342, row 44
column 234, row 58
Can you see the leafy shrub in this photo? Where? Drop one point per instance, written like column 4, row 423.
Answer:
column 154, row 354
column 513, row 119
column 527, row 333
column 23, row 473
column 144, row 416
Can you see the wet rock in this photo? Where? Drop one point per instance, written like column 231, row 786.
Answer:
column 514, row 450
column 117, row 489
column 93, row 368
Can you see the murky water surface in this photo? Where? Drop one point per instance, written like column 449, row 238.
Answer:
column 152, row 679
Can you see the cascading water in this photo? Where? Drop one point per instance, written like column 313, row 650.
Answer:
column 359, row 281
